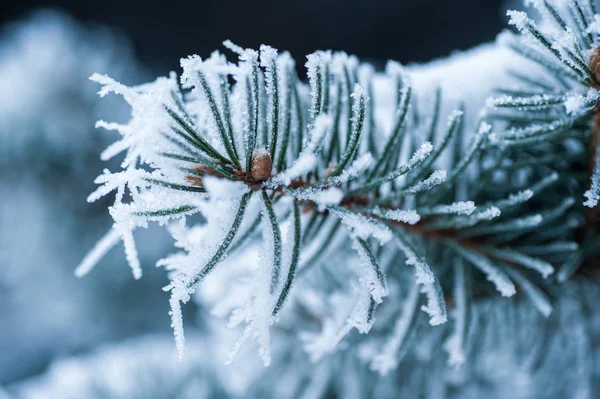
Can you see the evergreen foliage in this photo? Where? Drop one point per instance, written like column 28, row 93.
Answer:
column 381, row 218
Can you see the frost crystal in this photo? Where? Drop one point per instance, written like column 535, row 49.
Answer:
column 459, row 208
column 371, row 276
column 177, row 325
column 400, row 215
column 323, row 198
column 358, row 166
column 436, row 307
column 436, row 178
column 423, row 152
column 423, row 273
column 593, row 194
column 519, row 19
column 105, row 244
column 363, row 226
column 576, row 104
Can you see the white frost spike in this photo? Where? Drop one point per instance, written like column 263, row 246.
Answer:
column 147, row 118
column 359, row 97
column 268, row 56
column 323, row 198
column 423, row 273
column 268, row 59
column 529, row 221
column 101, row 248
column 519, row 19
column 436, row 306
column 177, row 325
column 233, row 47
column 388, row 358
column 110, row 85
column 458, row 208
column 131, row 253
column 363, row 226
column 238, row 345
column 576, row 103
column 376, row 285
column 358, row 166
column 490, row 213
column 359, row 317
column 112, row 181
column 520, row 197
column 593, row 194
column 564, row 43
column 315, row 64
column 118, row 146
column 461, row 221
column 191, row 65
column 400, row 215
column 420, row 155
column 436, row 178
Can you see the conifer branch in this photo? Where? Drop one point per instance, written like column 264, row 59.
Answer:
column 321, row 159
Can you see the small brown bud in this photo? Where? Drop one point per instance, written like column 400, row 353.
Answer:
column 595, row 63
column 261, row 165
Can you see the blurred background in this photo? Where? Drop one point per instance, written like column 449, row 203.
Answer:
column 404, row 30
column 49, row 149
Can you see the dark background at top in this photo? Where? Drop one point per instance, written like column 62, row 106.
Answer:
column 404, row 30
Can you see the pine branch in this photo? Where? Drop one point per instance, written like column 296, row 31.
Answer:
column 321, row 159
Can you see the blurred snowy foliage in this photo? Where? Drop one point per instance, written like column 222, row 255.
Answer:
column 46, row 110
column 143, row 368
column 514, row 353
column 48, row 148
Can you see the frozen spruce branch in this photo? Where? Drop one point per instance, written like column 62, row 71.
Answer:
column 338, row 205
